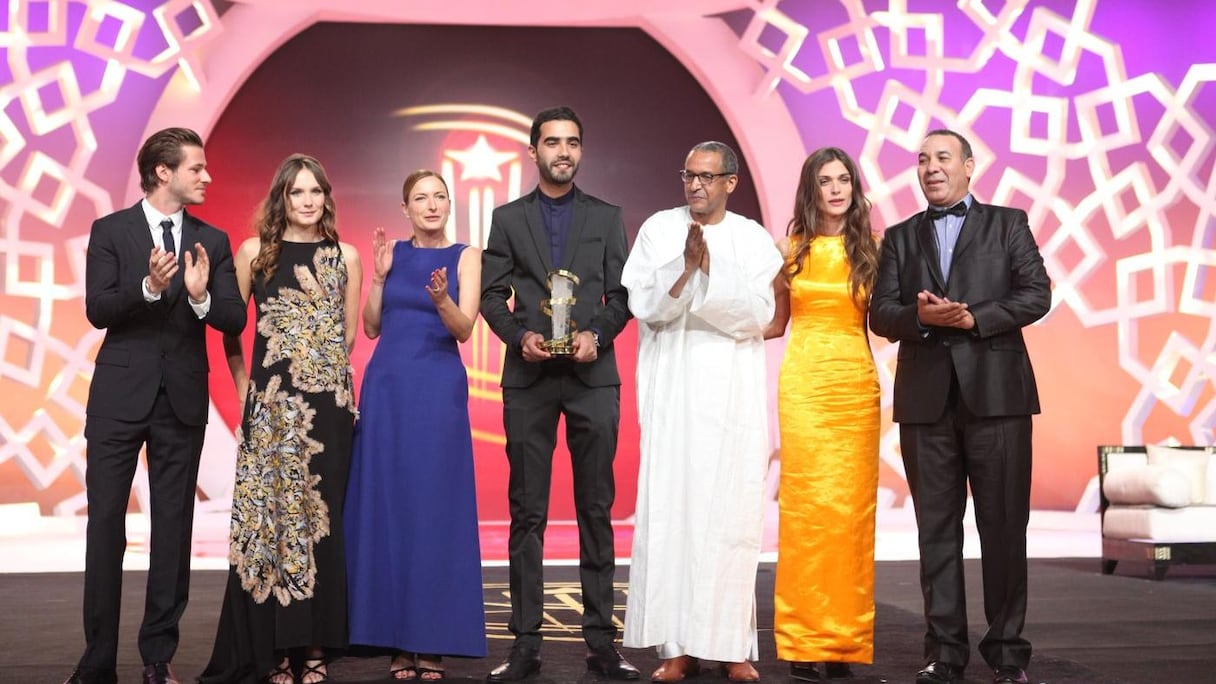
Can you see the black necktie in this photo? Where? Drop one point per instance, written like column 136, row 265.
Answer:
column 167, row 226
column 959, row 209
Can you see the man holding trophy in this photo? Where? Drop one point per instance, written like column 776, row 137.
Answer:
column 560, row 253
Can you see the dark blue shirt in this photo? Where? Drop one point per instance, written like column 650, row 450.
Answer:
column 556, row 214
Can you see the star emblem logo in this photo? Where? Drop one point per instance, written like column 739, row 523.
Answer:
column 481, row 161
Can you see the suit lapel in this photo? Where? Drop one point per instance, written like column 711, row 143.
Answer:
column 578, row 220
column 139, row 232
column 536, row 227
column 928, row 247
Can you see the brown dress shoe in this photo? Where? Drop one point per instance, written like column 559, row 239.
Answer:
column 676, row 669
column 740, row 672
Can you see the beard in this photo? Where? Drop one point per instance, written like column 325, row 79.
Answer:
column 558, row 177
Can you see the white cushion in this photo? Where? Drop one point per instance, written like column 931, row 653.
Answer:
column 1125, row 459
column 1193, row 464
column 1210, row 498
column 1190, row 524
column 1154, row 485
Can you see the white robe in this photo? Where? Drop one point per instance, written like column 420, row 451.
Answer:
column 701, row 388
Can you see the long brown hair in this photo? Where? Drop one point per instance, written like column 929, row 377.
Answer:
column 859, row 244
column 271, row 219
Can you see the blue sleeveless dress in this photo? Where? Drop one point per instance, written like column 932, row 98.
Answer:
column 413, row 557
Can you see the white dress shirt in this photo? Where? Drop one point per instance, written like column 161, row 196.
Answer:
column 154, row 218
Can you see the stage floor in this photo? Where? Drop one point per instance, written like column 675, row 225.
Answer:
column 33, row 543
column 1086, row 628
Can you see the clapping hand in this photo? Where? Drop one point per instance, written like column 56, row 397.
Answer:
column 382, row 258
column 198, row 271
column 162, row 266
column 438, row 287
column 941, row 312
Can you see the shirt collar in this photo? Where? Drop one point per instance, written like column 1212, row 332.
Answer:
column 557, row 201
column 967, row 199
column 154, row 217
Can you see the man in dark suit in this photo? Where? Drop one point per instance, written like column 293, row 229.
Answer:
column 150, row 388
column 557, row 226
column 956, row 284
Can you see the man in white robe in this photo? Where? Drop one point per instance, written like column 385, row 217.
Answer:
column 700, row 283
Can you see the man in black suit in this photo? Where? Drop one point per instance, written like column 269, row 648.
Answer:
column 557, row 226
column 150, row 388
column 956, row 284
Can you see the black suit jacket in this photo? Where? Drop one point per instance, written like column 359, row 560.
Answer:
column 998, row 272
column 517, row 261
column 148, row 343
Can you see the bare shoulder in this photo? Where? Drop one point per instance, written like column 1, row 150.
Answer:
column 471, row 254
column 349, row 253
column 249, row 249
column 783, row 246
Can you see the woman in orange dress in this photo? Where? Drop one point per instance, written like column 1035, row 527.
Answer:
column 828, row 410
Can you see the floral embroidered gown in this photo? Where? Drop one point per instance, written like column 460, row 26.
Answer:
column 287, row 575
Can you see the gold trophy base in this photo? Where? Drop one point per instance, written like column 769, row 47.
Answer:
column 560, row 347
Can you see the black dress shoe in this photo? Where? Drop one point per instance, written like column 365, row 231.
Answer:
column 837, row 671
column 608, row 661
column 938, row 672
column 524, row 661
column 804, row 671
column 159, row 673
column 1009, row 674
column 87, row 675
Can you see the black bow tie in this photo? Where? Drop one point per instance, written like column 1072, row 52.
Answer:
column 959, row 209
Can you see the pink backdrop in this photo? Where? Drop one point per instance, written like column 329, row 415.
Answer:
column 1095, row 116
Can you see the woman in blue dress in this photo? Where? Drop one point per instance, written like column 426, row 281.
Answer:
column 413, row 558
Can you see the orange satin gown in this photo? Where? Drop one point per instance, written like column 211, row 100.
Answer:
column 828, row 408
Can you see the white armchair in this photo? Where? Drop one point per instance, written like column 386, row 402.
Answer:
column 1158, row 504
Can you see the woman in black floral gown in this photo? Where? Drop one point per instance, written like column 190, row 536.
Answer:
column 285, row 603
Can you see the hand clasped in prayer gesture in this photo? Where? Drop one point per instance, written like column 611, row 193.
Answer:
column 695, row 254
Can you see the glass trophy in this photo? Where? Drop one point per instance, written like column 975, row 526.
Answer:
column 559, row 307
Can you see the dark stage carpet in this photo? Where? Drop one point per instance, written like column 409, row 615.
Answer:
column 1085, row 627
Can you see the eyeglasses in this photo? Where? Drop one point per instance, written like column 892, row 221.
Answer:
column 705, row 178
